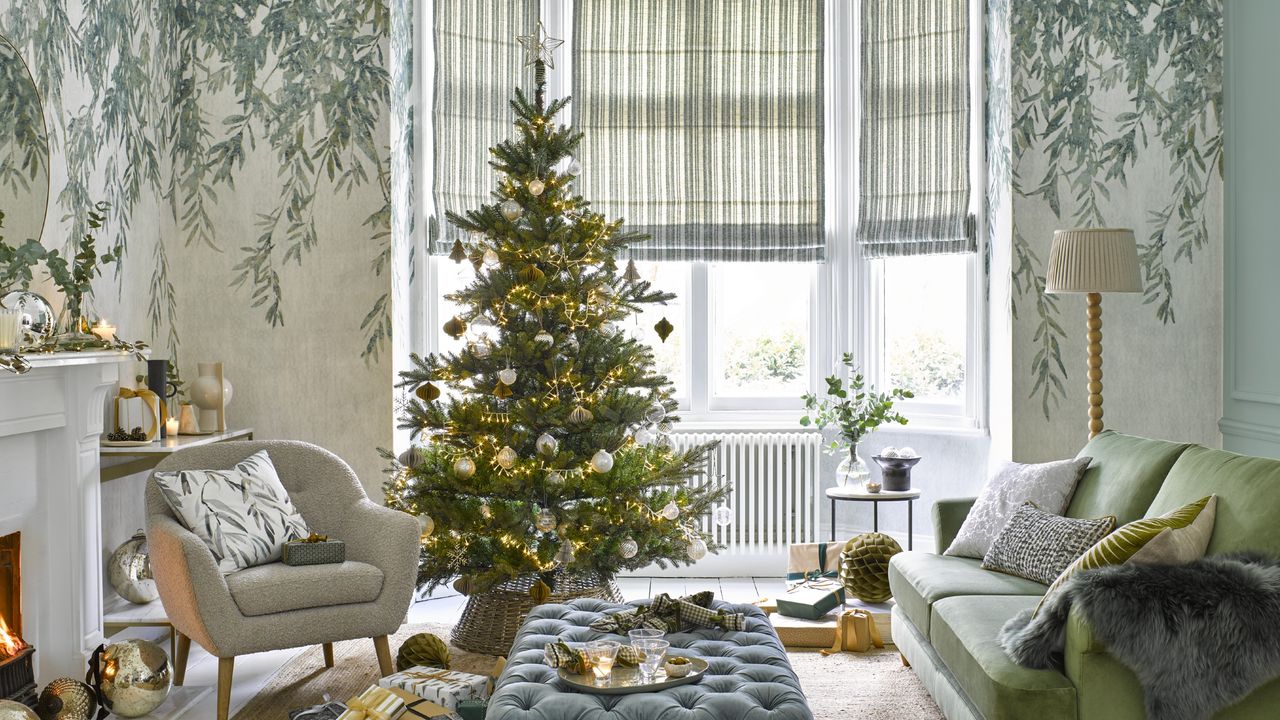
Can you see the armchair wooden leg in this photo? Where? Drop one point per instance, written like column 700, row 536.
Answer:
column 384, row 655
column 905, row 661
column 328, row 654
column 226, row 667
column 181, row 649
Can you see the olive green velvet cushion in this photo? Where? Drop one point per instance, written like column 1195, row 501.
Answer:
column 965, row 635
column 1124, row 476
column 1248, row 490
column 920, row 579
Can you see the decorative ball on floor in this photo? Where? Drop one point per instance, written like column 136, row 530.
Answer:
column 135, row 677
column 67, row 699
column 10, row 710
column 864, row 566
column 422, row 649
column 129, row 571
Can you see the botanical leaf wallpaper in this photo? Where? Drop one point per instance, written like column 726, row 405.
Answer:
column 245, row 149
column 1114, row 112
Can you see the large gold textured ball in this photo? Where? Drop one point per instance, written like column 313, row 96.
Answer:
column 136, row 677
column 864, row 566
column 10, row 710
column 67, row 699
column 423, row 649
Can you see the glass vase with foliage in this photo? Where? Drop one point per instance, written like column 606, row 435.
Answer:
column 854, row 409
column 74, row 277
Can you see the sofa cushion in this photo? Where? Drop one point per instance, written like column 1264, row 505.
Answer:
column 1124, row 476
column 920, row 579
column 1248, row 490
column 965, row 634
column 1048, row 485
column 1038, row 545
column 276, row 587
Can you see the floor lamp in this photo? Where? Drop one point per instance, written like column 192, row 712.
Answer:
column 1093, row 261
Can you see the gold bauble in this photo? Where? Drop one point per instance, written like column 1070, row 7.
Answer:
column 664, row 328
column 532, row 273
column 10, row 710
column 536, row 187
column 464, row 585
column 67, row 699
column 464, row 467
column 539, row 592
column 580, row 415
column 427, row 391
column 136, row 677
column 455, row 327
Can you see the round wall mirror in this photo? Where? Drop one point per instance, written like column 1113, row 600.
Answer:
column 24, row 150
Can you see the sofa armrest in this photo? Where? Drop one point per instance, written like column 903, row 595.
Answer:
column 386, row 539
column 192, row 588
column 948, row 516
column 1106, row 689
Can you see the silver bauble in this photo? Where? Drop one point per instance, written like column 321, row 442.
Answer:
column 544, row 338
column 697, row 548
column 555, row 478
column 10, row 710
column 546, row 445
column 602, row 461
column 670, row 511
column 546, row 521
column 464, row 468
column 510, row 209
column 67, row 699
column 536, row 187
column 655, row 413
column 414, row 456
column 507, row 376
column 490, row 258
column 574, row 167
column 36, row 321
column 136, row 677
column 722, row 516
column 129, row 571
column 628, row 548
column 426, row 526
column 643, row 436
column 506, row 458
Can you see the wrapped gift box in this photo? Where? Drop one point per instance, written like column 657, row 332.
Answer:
column 317, row 552
column 444, row 687
column 811, row 602
column 821, row 633
column 138, row 409
column 809, row 559
column 375, row 702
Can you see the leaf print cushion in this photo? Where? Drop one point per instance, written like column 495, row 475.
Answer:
column 243, row 514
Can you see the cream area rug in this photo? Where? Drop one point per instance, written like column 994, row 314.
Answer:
column 846, row 686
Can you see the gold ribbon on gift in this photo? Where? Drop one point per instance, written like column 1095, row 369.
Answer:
column 150, row 399
column 358, row 710
column 856, row 631
column 314, row 538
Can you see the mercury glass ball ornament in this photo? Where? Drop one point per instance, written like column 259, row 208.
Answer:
column 722, row 516
column 136, row 677
column 670, row 511
column 908, row 452
column 67, row 699
column 464, row 468
column 655, row 413
column 546, row 521
column 574, row 167
column 546, row 445
column 643, row 436
column 890, row 452
column 506, row 458
column 36, row 321
column 490, row 258
column 510, row 209
column 628, row 548
column 544, row 338
column 536, row 187
column 10, row 710
column 129, row 571
column 508, row 376
column 426, row 526
column 697, row 548
column 602, row 461
column 555, row 478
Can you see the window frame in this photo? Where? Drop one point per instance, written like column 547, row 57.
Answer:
column 845, row 298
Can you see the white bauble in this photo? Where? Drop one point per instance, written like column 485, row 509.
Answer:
column 722, row 516
column 908, row 452
column 890, row 452
column 546, row 521
column 506, row 458
column 510, row 209
column 490, row 258
column 425, row 526
column 507, row 376
column 574, row 167
column 670, row 511
column 546, row 445
column 628, row 548
column 655, row 413
column 536, row 187
column 464, row 468
column 697, row 548
column 544, row 338
column 643, row 436
column 602, row 461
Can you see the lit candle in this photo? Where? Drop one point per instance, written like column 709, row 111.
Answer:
column 10, row 329
column 171, row 427
column 104, row 331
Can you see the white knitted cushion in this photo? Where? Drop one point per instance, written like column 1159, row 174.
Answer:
column 243, row 514
column 1048, row 485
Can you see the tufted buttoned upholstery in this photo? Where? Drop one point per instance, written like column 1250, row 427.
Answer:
column 748, row 675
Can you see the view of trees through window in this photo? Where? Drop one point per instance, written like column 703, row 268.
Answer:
column 926, row 324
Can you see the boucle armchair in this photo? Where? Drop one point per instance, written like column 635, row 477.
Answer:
column 277, row 606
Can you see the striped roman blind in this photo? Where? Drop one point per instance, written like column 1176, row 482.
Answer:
column 914, row 145
column 703, row 123
column 478, row 66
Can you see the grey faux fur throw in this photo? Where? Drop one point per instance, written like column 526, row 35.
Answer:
column 1199, row 636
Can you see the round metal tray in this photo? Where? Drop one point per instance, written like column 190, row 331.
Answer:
column 627, row 680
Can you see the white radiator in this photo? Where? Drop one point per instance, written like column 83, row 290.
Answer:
column 775, row 494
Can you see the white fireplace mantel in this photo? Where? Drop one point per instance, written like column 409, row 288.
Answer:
column 50, row 422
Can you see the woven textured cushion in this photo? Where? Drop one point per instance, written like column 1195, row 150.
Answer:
column 277, row 588
column 243, row 515
column 1037, row 545
column 864, row 566
column 748, row 674
column 1048, row 485
column 1119, row 546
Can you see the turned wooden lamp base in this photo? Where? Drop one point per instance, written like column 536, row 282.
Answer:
column 1093, row 320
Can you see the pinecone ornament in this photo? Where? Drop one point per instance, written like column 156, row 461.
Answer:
column 864, row 566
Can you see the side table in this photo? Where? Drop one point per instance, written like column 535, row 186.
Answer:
column 859, row 494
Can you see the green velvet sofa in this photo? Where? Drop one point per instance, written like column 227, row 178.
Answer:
column 949, row 611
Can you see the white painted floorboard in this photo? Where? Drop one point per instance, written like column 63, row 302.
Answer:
column 253, row 671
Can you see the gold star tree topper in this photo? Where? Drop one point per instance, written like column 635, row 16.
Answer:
column 539, row 46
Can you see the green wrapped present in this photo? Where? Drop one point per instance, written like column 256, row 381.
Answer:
column 473, row 709
column 810, row 603
column 314, row 550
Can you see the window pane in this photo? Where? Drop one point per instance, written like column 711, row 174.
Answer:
column 925, row 325
column 760, row 329
column 450, row 278
column 669, row 356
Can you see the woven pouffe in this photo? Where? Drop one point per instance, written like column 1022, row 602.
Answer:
column 492, row 618
column 864, row 566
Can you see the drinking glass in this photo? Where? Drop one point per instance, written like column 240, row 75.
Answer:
column 644, row 634
column 655, row 650
column 601, row 653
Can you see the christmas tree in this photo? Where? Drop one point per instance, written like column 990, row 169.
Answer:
column 547, row 445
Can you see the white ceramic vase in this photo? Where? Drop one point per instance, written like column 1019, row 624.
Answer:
column 211, row 392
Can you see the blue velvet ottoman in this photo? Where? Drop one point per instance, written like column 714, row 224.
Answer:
column 748, row 678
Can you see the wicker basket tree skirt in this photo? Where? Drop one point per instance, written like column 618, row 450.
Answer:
column 491, row 619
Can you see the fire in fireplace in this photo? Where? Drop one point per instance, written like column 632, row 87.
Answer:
column 17, row 671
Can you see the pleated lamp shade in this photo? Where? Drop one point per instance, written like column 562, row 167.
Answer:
column 1089, row 260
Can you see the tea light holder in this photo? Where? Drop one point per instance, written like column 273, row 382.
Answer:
column 171, row 427
column 10, row 329
column 104, row 331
